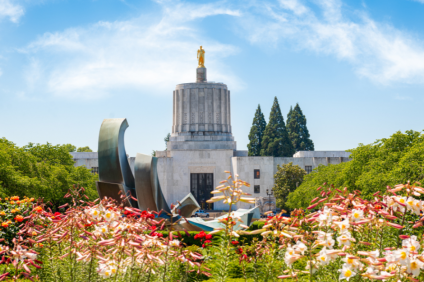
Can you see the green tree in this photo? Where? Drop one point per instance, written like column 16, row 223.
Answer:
column 256, row 133
column 386, row 162
column 276, row 140
column 297, row 130
column 41, row 171
column 286, row 180
column 166, row 139
column 84, row 149
column 289, row 118
column 69, row 147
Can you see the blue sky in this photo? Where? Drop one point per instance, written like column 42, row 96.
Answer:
column 355, row 67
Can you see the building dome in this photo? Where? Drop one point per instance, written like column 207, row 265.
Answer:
column 201, row 112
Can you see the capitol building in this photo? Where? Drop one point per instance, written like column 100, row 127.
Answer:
column 202, row 147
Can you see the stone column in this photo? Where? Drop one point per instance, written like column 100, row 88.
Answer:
column 216, row 109
column 180, row 109
column 174, row 112
column 201, row 75
column 223, row 110
column 229, row 111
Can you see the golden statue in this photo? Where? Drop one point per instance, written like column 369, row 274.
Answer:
column 201, row 57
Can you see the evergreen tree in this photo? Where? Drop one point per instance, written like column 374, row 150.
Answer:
column 289, row 119
column 166, row 139
column 256, row 133
column 276, row 141
column 297, row 130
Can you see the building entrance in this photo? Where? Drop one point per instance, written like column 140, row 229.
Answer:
column 201, row 186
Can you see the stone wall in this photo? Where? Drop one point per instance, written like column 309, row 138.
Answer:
column 87, row 159
column 175, row 167
column 174, row 172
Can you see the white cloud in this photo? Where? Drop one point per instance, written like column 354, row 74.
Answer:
column 151, row 54
column 11, row 10
column 377, row 51
column 145, row 54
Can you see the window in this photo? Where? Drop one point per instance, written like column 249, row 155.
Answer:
column 95, row 170
column 308, row 169
column 257, row 173
column 257, row 189
column 201, row 186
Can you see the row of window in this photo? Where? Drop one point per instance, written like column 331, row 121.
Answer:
column 257, row 172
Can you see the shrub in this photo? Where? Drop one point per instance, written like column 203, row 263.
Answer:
column 386, row 162
column 14, row 212
column 41, row 171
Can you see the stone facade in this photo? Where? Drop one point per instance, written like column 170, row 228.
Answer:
column 202, row 147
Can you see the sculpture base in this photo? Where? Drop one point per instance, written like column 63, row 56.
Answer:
column 201, row 75
column 112, row 190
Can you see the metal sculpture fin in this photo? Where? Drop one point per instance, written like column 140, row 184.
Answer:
column 113, row 161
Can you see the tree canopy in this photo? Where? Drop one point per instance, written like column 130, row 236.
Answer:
column 256, row 133
column 41, row 171
column 297, row 130
column 286, row 180
column 276, row 140
column 386, row 162
column 84, row 149
column 69, row 147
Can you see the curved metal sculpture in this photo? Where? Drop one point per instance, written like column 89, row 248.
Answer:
column 114, row 170
column 148, row 190
column 116, row 177
column 187, row 206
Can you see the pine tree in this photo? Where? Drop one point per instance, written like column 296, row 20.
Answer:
column 256, row 133
column 276, row 141
column 297, row 130
column 289, row 118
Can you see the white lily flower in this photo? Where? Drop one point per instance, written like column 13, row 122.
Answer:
column 346, row 273
column 357, row 215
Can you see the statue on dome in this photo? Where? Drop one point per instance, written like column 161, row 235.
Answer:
column 201, row 57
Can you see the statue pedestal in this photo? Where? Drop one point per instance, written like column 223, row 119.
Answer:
column 201, row 75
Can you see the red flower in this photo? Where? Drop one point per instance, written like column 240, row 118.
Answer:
column 38, row 209
column 208, row 236
column 57, row 215
column 207, row 242
column 235, row 243
column 19, row 218
column 153, row 227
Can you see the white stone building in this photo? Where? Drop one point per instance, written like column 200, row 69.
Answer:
column 202, row 147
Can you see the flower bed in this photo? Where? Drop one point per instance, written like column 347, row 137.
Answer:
column 341, row 236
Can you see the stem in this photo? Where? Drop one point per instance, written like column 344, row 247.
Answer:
column 381, row 239
column 403, row 221
column 119, row 261
column 91, row 264
column 310, row 263
column 70, row 249
column 166, row 259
